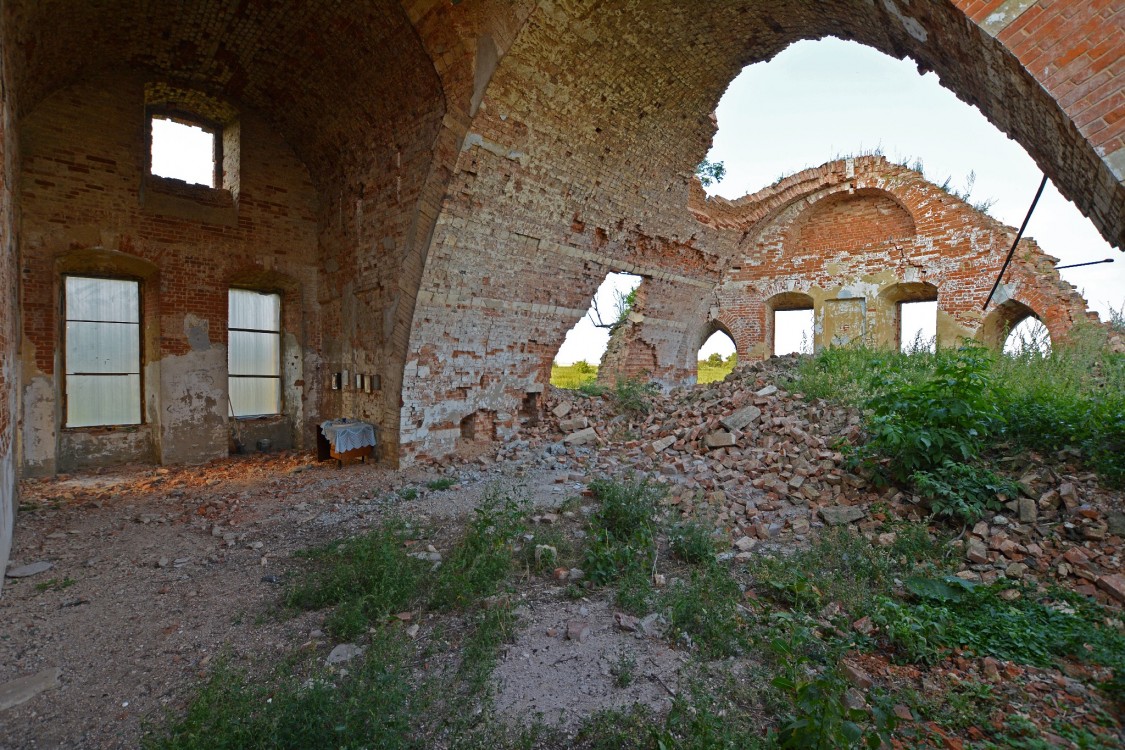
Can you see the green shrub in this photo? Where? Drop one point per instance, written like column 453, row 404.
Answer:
column 369, row 577
column 482, row 559
column 705, row 608
column 441, row 484
column 376, row 705
column 632, row 396
column 963, row 492
column 693, row 543
column 919, row 425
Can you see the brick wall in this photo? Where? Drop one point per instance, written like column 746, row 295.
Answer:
column 9, row 307
column 87, row 206
column 578, row 163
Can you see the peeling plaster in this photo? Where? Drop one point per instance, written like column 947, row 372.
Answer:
column 911, row 25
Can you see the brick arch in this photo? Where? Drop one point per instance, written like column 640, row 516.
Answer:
column 850, row 221
column 1002, row 319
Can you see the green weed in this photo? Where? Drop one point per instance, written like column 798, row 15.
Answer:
column 368, row 577
column 963, row 492
column 441, row 484
column 693, row 543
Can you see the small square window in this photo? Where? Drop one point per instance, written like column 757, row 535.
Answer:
column 254, row 353
column 183, row 150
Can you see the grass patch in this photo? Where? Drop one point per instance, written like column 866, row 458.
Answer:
column 482, row 559
column 441, row 484
column 573, row 376
column 374, row 706
column 368, row 578
column 704, row 611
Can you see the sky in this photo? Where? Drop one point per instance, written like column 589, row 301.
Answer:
column 821, row 100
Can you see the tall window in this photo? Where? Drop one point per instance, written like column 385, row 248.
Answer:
column 254, row 353
column 103, row 352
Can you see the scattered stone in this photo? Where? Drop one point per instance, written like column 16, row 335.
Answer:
column 864, row 626
column 739, row 419
column 345, row 652
column 578, row 630
column 31, row 569
column 663, row 444
column 23, row 689
column 1028, row 510
column 857, row 677
column 719, row 439
column 573, row 425
column 562, row 409
column 581, row 437
column 902, row 712
column 628, row 623
column 839, row 515
column 575, row 574
column 1114, row 585
column 769, row 390
column 745, row 544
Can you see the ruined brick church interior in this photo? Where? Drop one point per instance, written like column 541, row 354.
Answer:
column 412, row 202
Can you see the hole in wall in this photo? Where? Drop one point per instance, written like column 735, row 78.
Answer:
column 182, row 151
column 716, row 358
column 917, row 326
column 1029, row 336
column 792, row 332
column 582, row 350
column 771, row 124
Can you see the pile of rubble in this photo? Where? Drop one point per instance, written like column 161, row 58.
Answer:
column 763, row 464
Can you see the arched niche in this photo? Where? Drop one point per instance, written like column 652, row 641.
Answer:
column 872, row 217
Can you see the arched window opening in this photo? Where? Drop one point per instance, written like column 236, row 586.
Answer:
column 581, row 353
column 717, row 357
column 1028, row 337
column 917, row 327
column 771, row 124
column 792, row 323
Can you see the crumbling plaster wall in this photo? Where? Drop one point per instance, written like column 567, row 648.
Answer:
column 9, row 306
column 88, row 207
column 583, row 146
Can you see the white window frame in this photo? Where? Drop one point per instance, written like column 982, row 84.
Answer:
column 69, row 421
column 231, row 376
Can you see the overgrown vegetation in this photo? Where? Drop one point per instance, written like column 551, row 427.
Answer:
column 931, row 416
column 372, row 581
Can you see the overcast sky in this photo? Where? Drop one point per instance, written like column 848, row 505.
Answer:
column 819, row 101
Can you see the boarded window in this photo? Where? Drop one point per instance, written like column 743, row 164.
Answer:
column 103, row 352
column 254, row 353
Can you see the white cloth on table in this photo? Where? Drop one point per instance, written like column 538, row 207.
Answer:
column 348, row 434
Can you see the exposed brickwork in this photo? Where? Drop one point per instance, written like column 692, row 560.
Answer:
column 475, row 169
column 9, row 300
column 84, row 211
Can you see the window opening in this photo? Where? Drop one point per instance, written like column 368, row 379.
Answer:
column 1029, row 336
column 254, row 353
column 183, row 150
column 103, row 352
column 716, row 359
column 581, row 353
column 792, row 332
column 917, row 327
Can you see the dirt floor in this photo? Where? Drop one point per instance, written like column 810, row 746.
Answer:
column 156, row 573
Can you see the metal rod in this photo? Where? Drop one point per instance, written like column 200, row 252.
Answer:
column 1019, row 236
column 1089, row 263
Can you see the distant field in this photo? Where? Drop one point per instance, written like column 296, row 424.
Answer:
column 573, row 376
column 709, row 372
